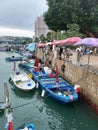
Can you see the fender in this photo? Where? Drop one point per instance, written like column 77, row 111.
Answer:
column 63, row 68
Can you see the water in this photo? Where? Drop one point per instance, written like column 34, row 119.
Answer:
column 45, row 113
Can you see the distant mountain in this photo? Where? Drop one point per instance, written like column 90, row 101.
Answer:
column 16, row 40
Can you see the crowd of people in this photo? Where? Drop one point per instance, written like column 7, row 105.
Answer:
column 64, row 53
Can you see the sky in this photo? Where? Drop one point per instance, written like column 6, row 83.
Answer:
column 17, row 17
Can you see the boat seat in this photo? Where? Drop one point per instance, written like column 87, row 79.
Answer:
column 18, row 82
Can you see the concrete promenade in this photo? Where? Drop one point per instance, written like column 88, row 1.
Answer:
column 87, row 61
column 86, row 75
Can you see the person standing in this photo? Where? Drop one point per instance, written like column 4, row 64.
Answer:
column 78, row 56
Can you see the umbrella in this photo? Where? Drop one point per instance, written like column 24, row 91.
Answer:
column 55, row 42
column 90, row 42
column 72, row 40
column 41, row 45
column 49, row 43
column 59, row 42
column 57, row 80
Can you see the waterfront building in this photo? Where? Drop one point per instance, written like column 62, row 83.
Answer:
column 40, row 27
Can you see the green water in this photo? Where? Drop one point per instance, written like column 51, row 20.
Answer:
column 45, row 113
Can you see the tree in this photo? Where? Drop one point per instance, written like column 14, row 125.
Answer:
column 36, row 40
column 82, row 12
column 42, row 38
column 88, row 17
column 73, row 30
column 52, row 17
column 49, row 36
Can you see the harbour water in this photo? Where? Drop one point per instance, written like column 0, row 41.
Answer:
column 45, row 113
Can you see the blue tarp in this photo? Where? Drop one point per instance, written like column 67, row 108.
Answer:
column 31, row 47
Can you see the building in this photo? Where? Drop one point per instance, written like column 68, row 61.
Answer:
column 40, row 27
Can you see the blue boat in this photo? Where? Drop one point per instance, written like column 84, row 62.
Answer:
column 14, row 58
column 55, row 87
column 28, row 127
column 26, row 65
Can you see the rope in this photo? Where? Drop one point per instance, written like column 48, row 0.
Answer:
column 22, row 105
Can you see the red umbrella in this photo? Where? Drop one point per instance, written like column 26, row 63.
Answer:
column 72, row 40
column 57, row 80
column 36, row 64
column 62, row 41
column 41, row 45
column 59, row 42
column 55, row 42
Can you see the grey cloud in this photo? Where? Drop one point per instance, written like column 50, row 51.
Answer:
column 21, row 14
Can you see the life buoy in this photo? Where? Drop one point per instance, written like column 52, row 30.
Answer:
column 63, row 68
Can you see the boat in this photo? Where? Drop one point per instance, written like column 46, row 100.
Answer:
column 22, row 81
column 27, row 54
column 54, row 86
column 26, row 64
column 13, row 58
column 28, row 127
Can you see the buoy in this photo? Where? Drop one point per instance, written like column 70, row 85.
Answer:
column 77, row 88
column 37, row 85
column 43, row 93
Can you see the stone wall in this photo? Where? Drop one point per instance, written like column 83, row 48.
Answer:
column 77, row 75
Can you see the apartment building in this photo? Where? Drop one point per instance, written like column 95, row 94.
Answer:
column 40, row 27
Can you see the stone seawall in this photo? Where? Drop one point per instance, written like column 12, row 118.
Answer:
column 77, row 75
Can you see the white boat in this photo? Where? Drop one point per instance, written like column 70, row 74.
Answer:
column 22, row 81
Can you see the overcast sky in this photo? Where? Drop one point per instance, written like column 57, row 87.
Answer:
column 17, row 17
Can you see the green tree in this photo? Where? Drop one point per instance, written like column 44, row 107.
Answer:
column 42, row 38
column 49, row 36
column 73, row 30
column 36, row 40
column 61, row 13
column 88, row 17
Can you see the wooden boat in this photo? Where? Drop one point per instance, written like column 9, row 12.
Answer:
column 28, row 127
column 22, row 81
column 14, row 58
column 57, row 88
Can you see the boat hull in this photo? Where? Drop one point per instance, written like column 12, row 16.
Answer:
column 14, row 58
column 65, row 93
column 23, row 82
column 27, row 65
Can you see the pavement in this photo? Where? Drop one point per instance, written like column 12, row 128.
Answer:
column 87, row 61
